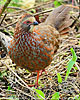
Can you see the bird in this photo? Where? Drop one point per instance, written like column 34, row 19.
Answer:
column 33, row 45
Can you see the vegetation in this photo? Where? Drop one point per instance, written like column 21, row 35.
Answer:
column 62, row 81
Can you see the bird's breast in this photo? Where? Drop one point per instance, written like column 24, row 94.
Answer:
column 33, row 51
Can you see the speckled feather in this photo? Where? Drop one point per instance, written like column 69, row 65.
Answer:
column 33, row 50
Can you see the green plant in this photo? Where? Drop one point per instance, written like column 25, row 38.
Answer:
column 9, row 87
column 2, row 74
column 41, row 95
column 71, row 62
column 57, row 3
column 55, row 96
column 77, row 97
column 59, row 78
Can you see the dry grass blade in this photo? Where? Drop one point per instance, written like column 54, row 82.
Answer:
column 16, row 75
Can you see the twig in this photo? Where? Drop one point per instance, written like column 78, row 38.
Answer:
column 75, row 7
column 16, row 8
column 79, row 8
column 75, row 2
column 72, row 2
column 15, row 75
column 11, row 24
column 3, row 19
column 75, row 21
column 33, row 15
column 4, row 98
column 8, row 25
column 43, row 12
column 77, row 66
column 4, row 7
column 24, row 93
column 52, row 67
column 40, row 5
column 20, row 79
column 19, row 83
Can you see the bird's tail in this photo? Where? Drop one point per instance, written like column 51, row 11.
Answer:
column 4, row 41
column 60, row 19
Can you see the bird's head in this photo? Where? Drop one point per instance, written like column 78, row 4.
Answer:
column 28, row 22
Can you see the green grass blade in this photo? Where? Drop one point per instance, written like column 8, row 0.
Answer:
column 55, row 96
column 40, row 93
column 71, row 63
column 59, row 78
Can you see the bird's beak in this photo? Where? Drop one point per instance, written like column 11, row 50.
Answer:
column 35, row 23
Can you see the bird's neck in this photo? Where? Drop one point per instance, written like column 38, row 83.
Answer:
column 20, row 32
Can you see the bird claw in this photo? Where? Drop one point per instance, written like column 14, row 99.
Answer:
column 34, row 85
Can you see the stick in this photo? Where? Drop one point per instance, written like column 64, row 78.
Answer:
column 4, row 7
column 2, row 19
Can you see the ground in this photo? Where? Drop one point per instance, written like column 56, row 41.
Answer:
column 13, row 79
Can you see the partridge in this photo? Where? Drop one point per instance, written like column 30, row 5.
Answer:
column 34, row 45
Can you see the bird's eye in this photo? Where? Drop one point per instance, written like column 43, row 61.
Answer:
column 27, row 22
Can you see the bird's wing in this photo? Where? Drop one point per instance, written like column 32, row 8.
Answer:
column 60, row 18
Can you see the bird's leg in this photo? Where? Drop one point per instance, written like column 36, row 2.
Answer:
column 36, row 83
column 43, row 71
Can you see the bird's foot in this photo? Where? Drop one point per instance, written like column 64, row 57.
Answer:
column 34, row 85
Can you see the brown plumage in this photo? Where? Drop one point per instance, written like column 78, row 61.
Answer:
column 34, row 46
